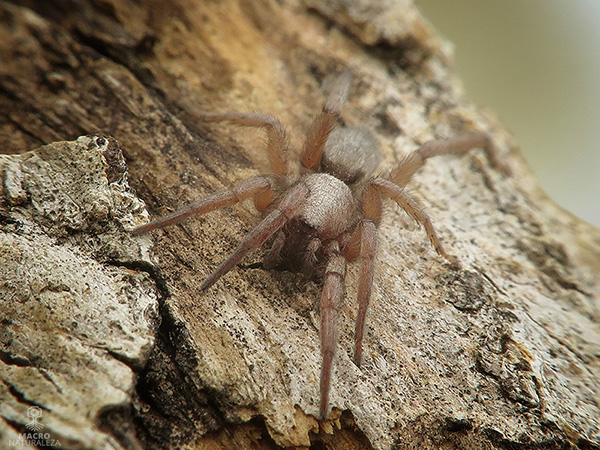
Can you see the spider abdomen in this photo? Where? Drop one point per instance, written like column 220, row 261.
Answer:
column 351, row 154
column 330, row 206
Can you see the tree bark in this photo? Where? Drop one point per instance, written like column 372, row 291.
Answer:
column 110, row 335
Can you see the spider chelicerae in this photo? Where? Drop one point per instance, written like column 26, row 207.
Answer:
column 327, row 215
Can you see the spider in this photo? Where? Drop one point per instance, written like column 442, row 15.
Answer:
column 328, row 214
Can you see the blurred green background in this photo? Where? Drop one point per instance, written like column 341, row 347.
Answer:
column 536, row 64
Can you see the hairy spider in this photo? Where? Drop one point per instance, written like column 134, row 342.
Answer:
column 329, row 214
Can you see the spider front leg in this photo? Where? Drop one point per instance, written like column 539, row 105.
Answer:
column 333, row 289
column 286, row 209
column 363, row 243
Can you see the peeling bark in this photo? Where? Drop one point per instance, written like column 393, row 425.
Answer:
column 112, row 337
column 77, row 324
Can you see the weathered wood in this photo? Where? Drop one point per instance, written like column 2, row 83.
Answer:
column 503, row 352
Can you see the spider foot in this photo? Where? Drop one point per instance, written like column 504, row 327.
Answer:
column 452, row 260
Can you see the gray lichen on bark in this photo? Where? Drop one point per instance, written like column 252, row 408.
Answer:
column 503, row 352
column 76, row 322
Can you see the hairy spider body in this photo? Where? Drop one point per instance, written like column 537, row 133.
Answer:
column 330, row 214
column 351, row 154
column 330, row 206
column 328, row 211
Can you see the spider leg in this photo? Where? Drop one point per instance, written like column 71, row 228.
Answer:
column 276, row 137
column 367, row 231
column 333, row 289
column 257, row 187
column 290, row 204
column 388, row 189
column 415, row 160
column 321, row 127
column 363, row 242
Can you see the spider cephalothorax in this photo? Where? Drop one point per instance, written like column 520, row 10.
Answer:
column 329, row 214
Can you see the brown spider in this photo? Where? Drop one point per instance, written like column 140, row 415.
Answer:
column 329, row 214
